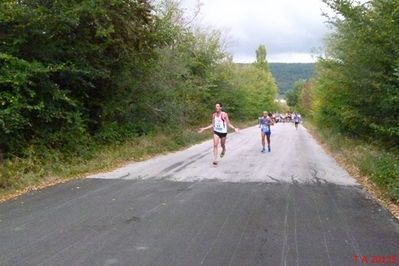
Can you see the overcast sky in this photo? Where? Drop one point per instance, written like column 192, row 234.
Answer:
column 290, row 29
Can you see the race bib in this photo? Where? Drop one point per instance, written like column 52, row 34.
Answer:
column 218, row 125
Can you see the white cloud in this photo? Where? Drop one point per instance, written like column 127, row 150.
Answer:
column 290, row 29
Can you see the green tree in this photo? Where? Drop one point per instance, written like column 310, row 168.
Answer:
column 61, row 66
column 357, row 89
column 294, row 95
column 261, row 61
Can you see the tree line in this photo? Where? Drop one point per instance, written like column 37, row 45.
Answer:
column 356, row 87
column 74, row 74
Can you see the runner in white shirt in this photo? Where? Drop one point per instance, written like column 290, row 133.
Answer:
column 220, row 122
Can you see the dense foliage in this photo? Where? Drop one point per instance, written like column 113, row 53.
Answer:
column 299, row 99
column 357, row 89
column 63, row 65
column 77, row 73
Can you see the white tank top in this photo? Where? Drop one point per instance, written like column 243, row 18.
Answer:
column 220, row 125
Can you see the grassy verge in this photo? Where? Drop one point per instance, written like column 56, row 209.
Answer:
column 375, row 168
column 19, row 176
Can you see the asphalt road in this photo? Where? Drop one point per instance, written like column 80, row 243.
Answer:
column 292, row 206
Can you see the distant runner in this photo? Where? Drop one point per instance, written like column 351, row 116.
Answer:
column 220, row 121
column 296, row 120
column 264, row 123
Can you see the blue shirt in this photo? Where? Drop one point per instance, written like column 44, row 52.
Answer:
column 264, row 124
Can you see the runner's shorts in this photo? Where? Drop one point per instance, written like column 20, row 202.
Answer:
column 266, row 131
column 220, row 135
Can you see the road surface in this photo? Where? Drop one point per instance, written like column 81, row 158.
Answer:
column 292, row 206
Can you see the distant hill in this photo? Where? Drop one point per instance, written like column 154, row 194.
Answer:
column 286, row 74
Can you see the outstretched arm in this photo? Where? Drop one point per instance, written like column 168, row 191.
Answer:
column 205, row 128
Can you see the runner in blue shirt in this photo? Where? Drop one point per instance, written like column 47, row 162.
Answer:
column 264, row 123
